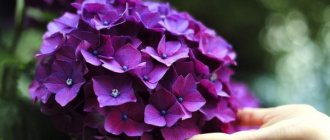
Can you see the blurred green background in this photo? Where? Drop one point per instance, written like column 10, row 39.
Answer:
column 283, row 51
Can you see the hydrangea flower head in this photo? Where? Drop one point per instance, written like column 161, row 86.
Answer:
column 129, row 69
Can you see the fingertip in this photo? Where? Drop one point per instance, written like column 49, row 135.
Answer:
column 252, row 116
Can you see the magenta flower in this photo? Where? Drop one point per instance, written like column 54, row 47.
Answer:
column 217, row 107
column 242, row 96
column 51, row 43
column 214, row 86
column 113, row 90
column 216, row 47
column 182, row 130
column 151, row 20
column 100, row 14
column 127, row 119
column 37, row 88
column 64, row 24
column 163, row 109
column 125, row 59
column 167, row 52
column 92, row 53
column 187, row 95
column 66, row 81
column 151, row 73
column 177, row 24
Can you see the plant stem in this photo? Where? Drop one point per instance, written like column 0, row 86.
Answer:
column 19, row 15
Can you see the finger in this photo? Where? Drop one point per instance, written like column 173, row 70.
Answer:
column 211, row 136
column 254, row 116
column 268, row 133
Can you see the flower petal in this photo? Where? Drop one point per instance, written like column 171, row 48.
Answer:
column 153, row 117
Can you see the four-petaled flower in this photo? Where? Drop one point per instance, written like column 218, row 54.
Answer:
column 177, row 25
column 113, row 90
column 168, row 52
column 163, row 109
column 217, row 47
column 65, row 81
column 187, row 95
column 94, row 53
column 181, row 130
column 216, row 106
column 127, row 118
column 101, row 15
column 126, row 58
column 151, row 73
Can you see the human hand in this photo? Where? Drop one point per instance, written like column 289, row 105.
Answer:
column 301, row 122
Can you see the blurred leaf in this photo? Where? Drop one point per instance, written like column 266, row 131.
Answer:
column 19, row 11
column 28, row 45
column 6, row 37
column 9, row 116
column 41, row 16
column 21, row 120
column 23, row 85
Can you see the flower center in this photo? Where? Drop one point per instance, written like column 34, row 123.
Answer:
column 124, row 117
column 106, row 23
column 163, row 112
column 213, row 77
column 164, row 56
column 125, row 68
column 69, row 82
column 145, row 78
column 95, row 52
column 180, row 99
column 115, row 93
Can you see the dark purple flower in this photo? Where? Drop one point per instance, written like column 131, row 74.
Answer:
column 37, row 89
column 214, row 86
column 101, row 14
column 151, row 73
column 64, row 24
column 151, row 20
column 66, row 81
column 153, row 135
column 51, row 43
column 241, row 96
column 182, row 130
column 113, row 90
column 91, row 103
column 216, row 47
column 185, row 90
column 217, row 80
column 218, row 108
column 163, row 109
column 127, row 118
column 167, row 52
column 93, row 54
column 177, row 24
column 125, row 59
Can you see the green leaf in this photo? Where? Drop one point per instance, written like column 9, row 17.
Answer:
column 28, row 45
column 19, row 11
column 23, row 85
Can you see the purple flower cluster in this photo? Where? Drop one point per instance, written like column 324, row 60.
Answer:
column 127, row 69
